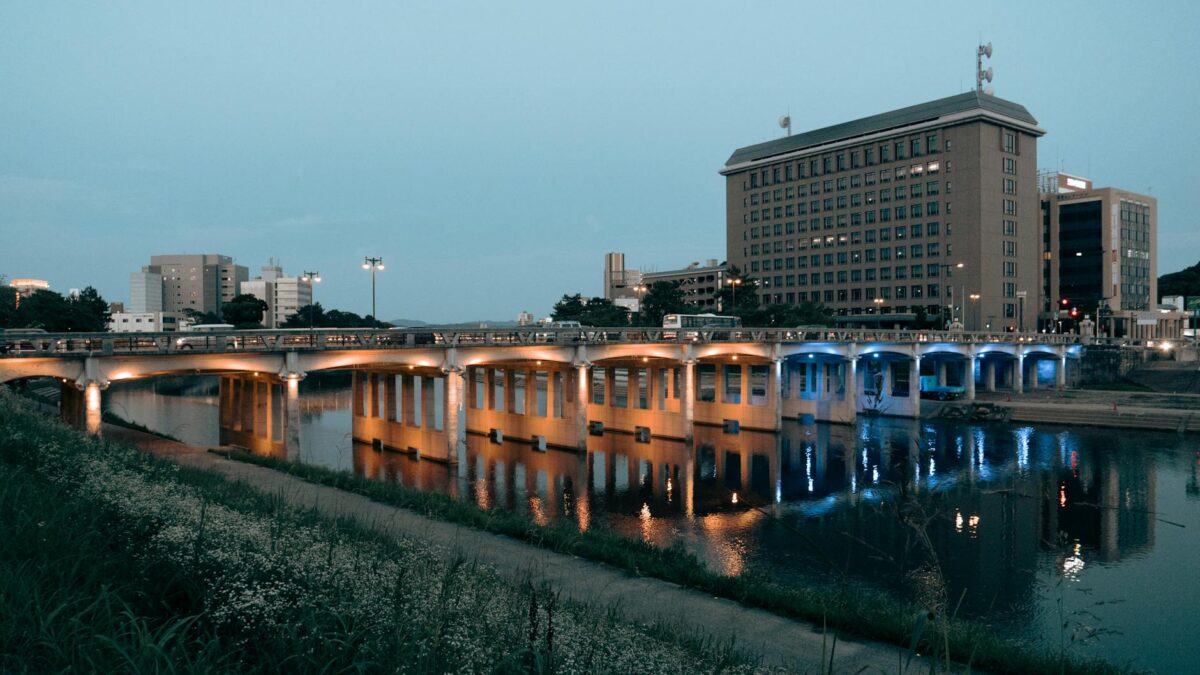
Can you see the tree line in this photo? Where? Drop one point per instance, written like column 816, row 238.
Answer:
column 85, row 312
column 738, row 297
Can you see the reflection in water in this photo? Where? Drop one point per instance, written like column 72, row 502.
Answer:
column 1020, row 518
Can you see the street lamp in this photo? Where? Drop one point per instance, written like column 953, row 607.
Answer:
column 639, row 290
column 975, row 299
column 373, row 264
column 734, row 283
column 313, row 278
column 947, row 267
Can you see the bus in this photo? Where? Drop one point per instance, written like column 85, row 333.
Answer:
column 200, row 341
column 700, row 321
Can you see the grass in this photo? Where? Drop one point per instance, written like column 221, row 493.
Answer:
column 116, row 561
column 857, row 611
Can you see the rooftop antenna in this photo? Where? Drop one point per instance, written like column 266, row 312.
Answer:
column 785, row 122
column 980, row 73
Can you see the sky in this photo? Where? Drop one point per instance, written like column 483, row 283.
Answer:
column 491, row 153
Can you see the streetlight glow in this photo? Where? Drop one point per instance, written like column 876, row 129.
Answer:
column 373, row 264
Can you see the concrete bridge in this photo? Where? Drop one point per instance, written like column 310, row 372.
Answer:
column 424, row 390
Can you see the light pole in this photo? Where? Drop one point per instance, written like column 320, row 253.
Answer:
column 373, row 264
column 947, row 268
column 975, row 301
column 639, row 290
column 733, row 284
column 313, row 278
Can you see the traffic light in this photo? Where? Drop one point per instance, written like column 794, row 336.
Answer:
column 1066, row 301
column 1074, row 312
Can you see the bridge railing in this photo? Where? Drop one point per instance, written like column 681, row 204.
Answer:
column 24, row 344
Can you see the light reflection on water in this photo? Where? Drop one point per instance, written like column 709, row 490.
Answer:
column 1021, row 518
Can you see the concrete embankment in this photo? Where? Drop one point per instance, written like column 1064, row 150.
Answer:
column 1151, row 412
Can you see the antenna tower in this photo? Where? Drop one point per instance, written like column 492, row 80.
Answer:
column 984, row 51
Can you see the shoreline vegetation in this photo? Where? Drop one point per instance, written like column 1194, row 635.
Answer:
column 118, row 561
column 861, row 612
column 192, row 636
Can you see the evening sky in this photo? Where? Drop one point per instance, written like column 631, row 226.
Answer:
column 491, row 153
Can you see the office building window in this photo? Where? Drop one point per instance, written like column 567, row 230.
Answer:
column 1010, row 142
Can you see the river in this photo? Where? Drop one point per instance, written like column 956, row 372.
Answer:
column 1032, row 526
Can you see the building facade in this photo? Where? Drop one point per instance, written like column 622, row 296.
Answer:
column 929, row 210
column 145, row 292
column 1100, row 256
column 284, row 295
column 700, row 282
column 145, row 322
column 199, row 282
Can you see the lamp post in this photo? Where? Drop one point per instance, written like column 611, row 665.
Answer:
column 975, row 301
column 313, row 278
column 947, row 268
column 373, row 264
column 639, row 290
column 733, row 284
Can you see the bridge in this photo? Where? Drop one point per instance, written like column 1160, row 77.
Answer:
column 424, row 390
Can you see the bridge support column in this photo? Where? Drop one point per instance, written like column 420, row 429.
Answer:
column 777, row 390
column 581, row 408
column 1060, row 372
column 989, row 374
column 851, row 389
column 1019, row 375
column 914, row 386
column 291, row 422
column 941, row 372
column 969, row 377
column 689, row 398
column 455, row 417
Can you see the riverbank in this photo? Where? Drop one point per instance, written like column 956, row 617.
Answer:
column 1149, row 411
column 116, row 560
column 768, row 634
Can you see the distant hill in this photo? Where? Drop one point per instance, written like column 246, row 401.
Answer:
column 407, row 322
column 1184, row 282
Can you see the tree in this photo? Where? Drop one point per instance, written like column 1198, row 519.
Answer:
column 663, row 297
column 89, row 312
column 308, row 315
column 196, row 316
column 738, row 296
column 570, row 308
column 244, row 311
column 86, row 312
column 602, row 312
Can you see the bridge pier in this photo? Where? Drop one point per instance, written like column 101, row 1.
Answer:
column 969, row 377
column 1018, row 382
column 81, row 409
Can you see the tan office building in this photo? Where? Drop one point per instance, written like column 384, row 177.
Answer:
column 1099, row 251
column 201, row 282
column 931, row 209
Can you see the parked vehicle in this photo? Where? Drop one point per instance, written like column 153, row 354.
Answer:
column 200, row 340
column 940, row 392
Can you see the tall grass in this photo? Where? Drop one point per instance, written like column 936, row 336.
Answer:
column 930, row 628
column 114, row 561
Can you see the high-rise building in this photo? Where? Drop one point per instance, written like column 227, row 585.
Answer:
column 199, row 282
column 1100, row 255
column 928, row 210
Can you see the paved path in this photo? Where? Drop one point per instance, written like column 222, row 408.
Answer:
column 782, row 642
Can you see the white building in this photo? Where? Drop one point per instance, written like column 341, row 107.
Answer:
column 284, row 295
column 145, row 322
column 145, row 292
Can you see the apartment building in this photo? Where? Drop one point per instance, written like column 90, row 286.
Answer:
column 199, row 282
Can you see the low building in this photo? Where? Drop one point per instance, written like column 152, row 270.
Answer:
column 284, row 295
column 701, row 283
column 145, row 322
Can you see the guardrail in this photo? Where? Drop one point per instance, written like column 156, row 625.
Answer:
column 24, row 344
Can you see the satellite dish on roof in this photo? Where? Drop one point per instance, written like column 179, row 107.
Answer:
column 785, row 122
column 987, row 74
column 986, row 50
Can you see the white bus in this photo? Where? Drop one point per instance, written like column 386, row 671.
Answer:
column 700, row 321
